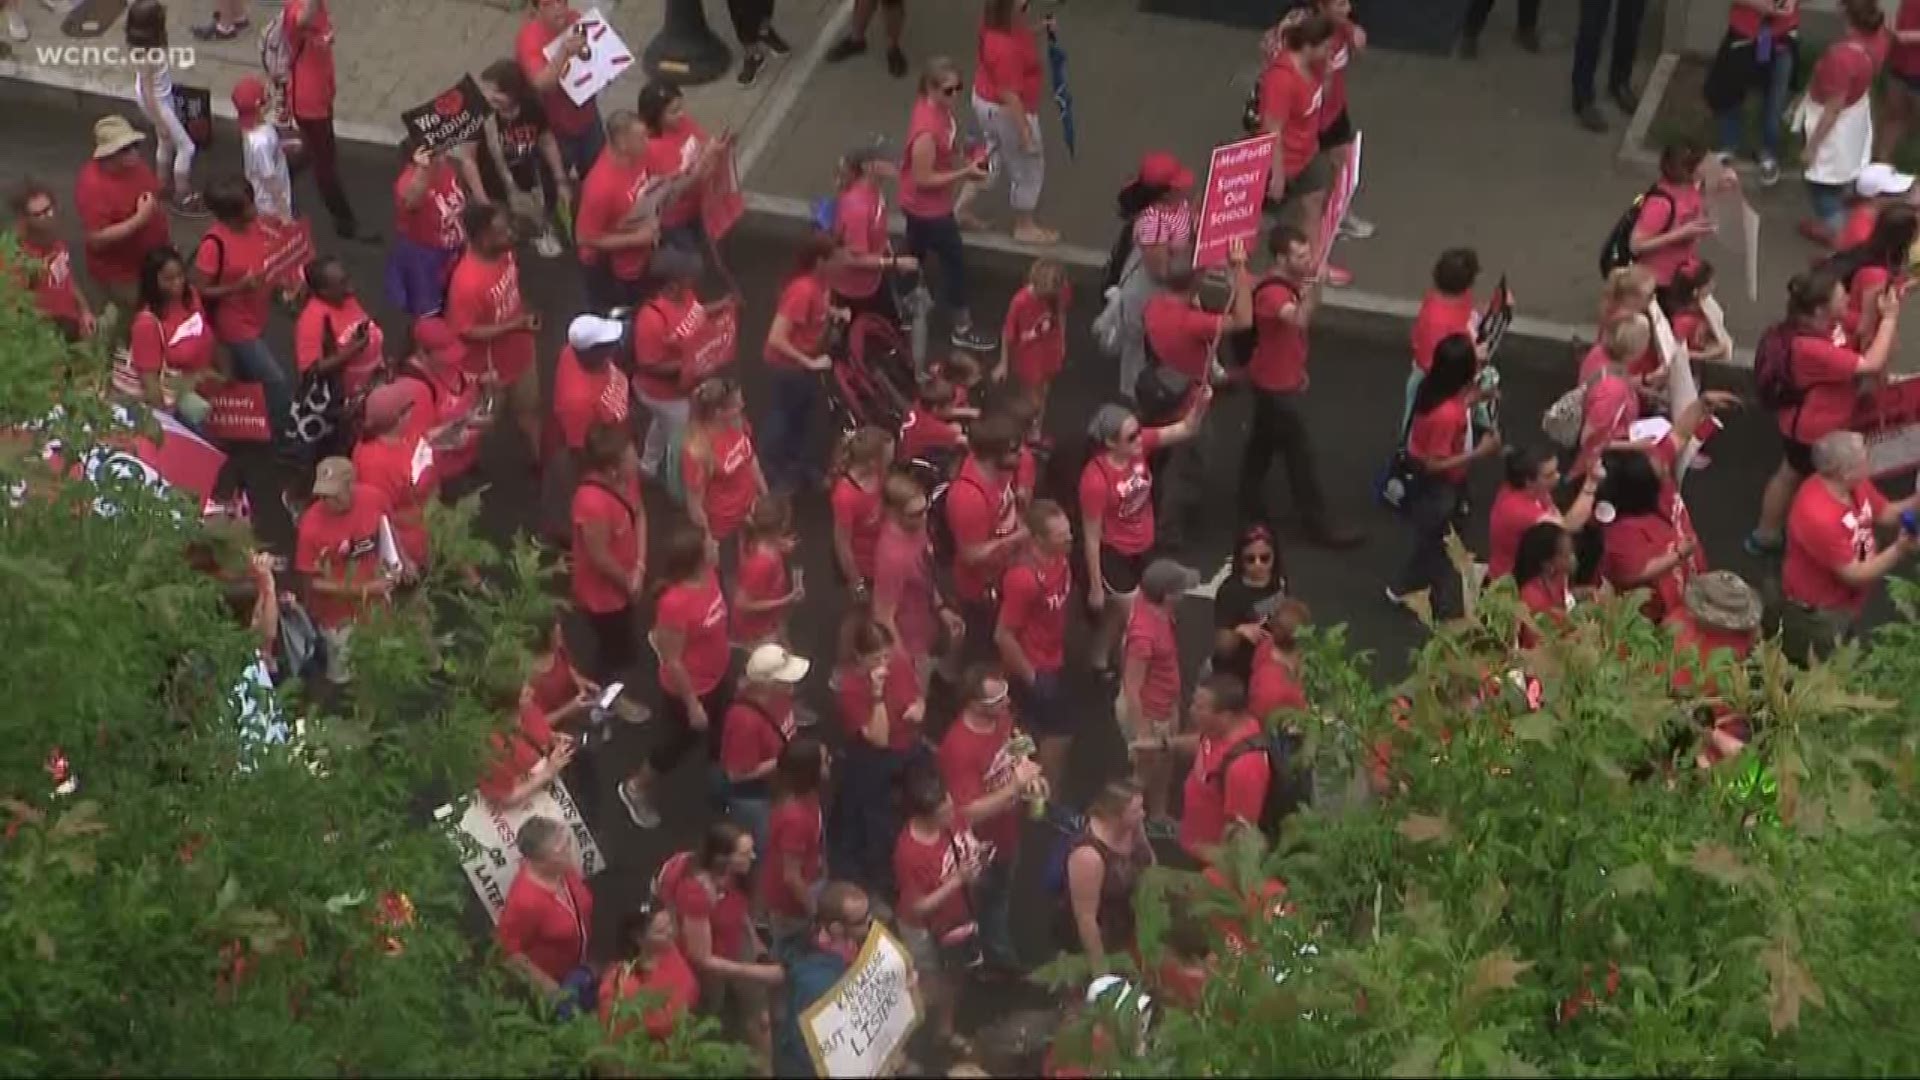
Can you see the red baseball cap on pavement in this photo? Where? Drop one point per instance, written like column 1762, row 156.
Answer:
column 249, row 96
column 435, row 340
column 1163, row 170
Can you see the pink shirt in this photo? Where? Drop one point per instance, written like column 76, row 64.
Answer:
column 1681, row 205
column 903, row 576
column 930, row 120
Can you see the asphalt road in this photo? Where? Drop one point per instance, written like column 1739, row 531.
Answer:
column 1358, row 366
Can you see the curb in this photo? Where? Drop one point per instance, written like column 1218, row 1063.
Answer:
column 1633, row 147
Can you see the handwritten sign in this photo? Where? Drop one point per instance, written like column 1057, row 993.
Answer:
column 1230, row 207
column 860, row 1027
column 605, row 58
column 450, row 119
column 289, row 247
column 485, row 839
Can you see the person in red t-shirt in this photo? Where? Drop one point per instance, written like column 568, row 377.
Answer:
column 609, row 557
column 333, row 335
column 169, row 333
column 615, row 242
column 1116, row 512
column 1543, row 569
column 938, row 863
column 863, row 254
column 577, row 127
column 1291, row 97
column 1526, row 500
column 1649, row 539
column 759, row 724
column 679, row 152
column 719, row 469
column 117, row 198
column 1006, row 100
column 988, row 782
column 765, row 590
column 47, row 267
column 1824, row 372
column 906, row 595
column 395, row 460
column 1611, row 402
column 710, row 900
column 1273, row 677
column 338, row 548
column 428, row 202
column 548, row 918
column 1837, row 116
column 485, row 307
column 229, row 269
column 1226, row 787
column 1338, row 134
column 1673, row 216
column 1033, row 339
column 1719, row 621
column 651, row 964
column 690, row 638
column 588, row 386
column 793, row 863
column 1031, row 633
column 1148, row 709
column 668, row 333
column 984, row 517
column 1441, row 449
column 796, row 357
column 1878, row 263
column 308, row 25
column 860, row 468
column 1447, row 309
column 447, row 399
column 1833, row 556
column 1284, row 302
column 881, row 708
column 938, row 167
column 527, row 757
column 1761, row 49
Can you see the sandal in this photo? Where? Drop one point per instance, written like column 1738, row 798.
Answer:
column 1036, row 236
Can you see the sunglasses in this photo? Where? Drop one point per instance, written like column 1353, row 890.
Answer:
column 1258, row 558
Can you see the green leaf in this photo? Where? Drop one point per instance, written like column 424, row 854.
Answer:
column 1633, row 880
column 1426, row 828
column 1418, row 1058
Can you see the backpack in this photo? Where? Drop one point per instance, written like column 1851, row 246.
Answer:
column 1618, row 250
column 1288, row 787
column 1241, row 343
column 946, row 549
column 276, row 51
column 824, row 212
column 1773, row 379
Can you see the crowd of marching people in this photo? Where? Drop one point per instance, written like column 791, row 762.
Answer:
column 894, row 779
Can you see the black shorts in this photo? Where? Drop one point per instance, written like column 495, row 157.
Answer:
column 1039, row 707
column 1340, row 133
column 1121, row 573
column 1798, row 455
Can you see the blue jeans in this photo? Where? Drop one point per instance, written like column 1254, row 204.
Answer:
column 864, row 821
column 1829, row 203
column 253, row 361
column 579, row 152
column 939, row 238
column 1732, row 123
column 795, row 396
column 1430, row 517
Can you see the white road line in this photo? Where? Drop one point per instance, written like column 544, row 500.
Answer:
column 787, row 90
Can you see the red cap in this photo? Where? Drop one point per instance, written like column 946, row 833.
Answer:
column 1163, row 170
column 433, row 338
column 249, row 95
column 386, row 405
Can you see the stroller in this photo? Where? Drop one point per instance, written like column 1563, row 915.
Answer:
column 876, row 363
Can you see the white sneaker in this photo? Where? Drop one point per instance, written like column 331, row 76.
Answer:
column 16, row 26
column 547, row 245
column 1355, row 227
column 638, row 808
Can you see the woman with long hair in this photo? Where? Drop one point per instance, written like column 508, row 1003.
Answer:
column 765, row 590
column 521, row 156
column 711, row 903
column 937, row 167
column 1441, row 446
column 1875, row 266
column 719, row 468
column 792, row 868
column 936, row 860
column 1543, row 568
column 170, row 334
column 1525, row 499
column 859, row 473
column 796, row 358
column 1255, row 586
column 1648, row 546
column 648, row 962
column 1155, row 244
column 679, row 150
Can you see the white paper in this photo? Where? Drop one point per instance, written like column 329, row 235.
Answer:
column 859, row 1028
column 422, row 460
column 606, row 58
column 389, row 548
column 1750, row 240
column 485, row 838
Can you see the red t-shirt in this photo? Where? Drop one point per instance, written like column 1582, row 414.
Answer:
column 1905, row 59
column 1033, row 607
column 1681, row 205
column 974, row 764
column 223, row 258
column 1008, row 60
column 594, row 501
column 1439, row 318
column 857, row 512
column 978, row 510
column 1858, row 228
column 582, row 398
column 516, row 752
column 1293, row 99
column 660, row 334
column 1846, row 70
column 794, row 832
column 405, row 476
column 901, row 691
column 669, row 154
column 903, row 583
column 1440, row 433
column 607, row 196
column 669, row 981
column 440, row 397
column 930, row 120
column 50, row 276
column 754, row 734
column 434, row 221
column 1695, row 647
column 1866, row 280
column 1150, row 640
column 725, row 480
column 1633, row 542
column 553, row 685
column 179, row 339
column 342, row 548
column 1272, row 685
column 563, row 115
column 1825, row 534
column 486, row 292
column 318, row 319
column 804, row 303
column 762, row 577
column 311, row 86
column 699, row 613
column 922, row 432
column 1279, row 363
column 1181, row 335
column 919, row 868
column 1334, row 105
column 1514, row 512
column 1611, row 407
column 1036, row 335
column 1547, row 596
column 104, row 199
column 1210, row 800
column 1120, row 497
column 860, row 225
column 547, row 930
column 725, row 914
column 1824, row 371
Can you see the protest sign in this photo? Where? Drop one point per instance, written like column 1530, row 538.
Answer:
column 289, row 247
column 1495, row 321
column 1346, row 184
column 194, row 106
column 861, row 1026
column 721, row 204
column 485, row 835
column 450, row 119
column 711, row 343
column 1230, row 205
column 604, row 56
column 237, row 412
column 1890, row 421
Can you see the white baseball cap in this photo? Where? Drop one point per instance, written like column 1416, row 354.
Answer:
column 592, row 331
column 773, row 663
column 1881, row 179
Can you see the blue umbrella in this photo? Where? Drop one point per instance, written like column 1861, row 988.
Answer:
column 1062, row 95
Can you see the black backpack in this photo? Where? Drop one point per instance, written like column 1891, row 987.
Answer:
column 1618, row 251
column 1241, row 343
column 1289, row 787
column 1773, row 379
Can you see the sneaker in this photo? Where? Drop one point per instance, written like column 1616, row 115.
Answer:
column 775, row 44
column 547, row 245
column 896, row 63
column 846, row 49
column 16, row 26
column 1624, row 97
column 190, row 205
column 1762, row 547
column 638, row 808
column 1591, row 118
column 216, row 31
column 973, row 340
column 1769, row 170
column 1355, row 227
column 1398, row 599
column 750, row 66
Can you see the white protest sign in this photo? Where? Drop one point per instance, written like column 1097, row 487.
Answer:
column 485, row 838
column 860, row 1027
column 606, row 57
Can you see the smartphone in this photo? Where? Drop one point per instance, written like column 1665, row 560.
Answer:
column 611, row 694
